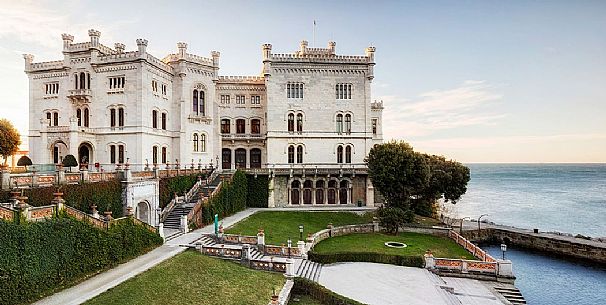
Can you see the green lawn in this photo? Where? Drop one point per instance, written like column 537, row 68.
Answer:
column 303, row 300
column 416, row 243
column 193, row 278
column 281, row 225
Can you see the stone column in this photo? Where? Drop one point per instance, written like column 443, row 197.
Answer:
column 5, row 176
column 183, row 225
column 58, row 201
column 429, row 260
column 301, row 246
column 84, row 174
column 370, row 193
column 23, row 208
column 290, row 268
column 60, row 174
column 505, row 268
column 261, row 240
column 95, row 213
column 161, row 230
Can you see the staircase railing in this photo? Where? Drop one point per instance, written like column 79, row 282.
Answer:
column 192, row 215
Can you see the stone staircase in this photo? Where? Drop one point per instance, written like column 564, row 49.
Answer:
column 309, row 270
column 512, row 294
column 445, row 291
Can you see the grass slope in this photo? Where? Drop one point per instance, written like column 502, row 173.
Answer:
column 281, row 225
column 193, row 278
column 416, row 243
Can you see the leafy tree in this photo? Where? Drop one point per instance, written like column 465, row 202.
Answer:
column 393, row 218
column 70, row 161
column 24, row 161
column 9, row 139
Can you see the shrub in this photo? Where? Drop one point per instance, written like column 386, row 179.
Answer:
column 69, row 161
column 38, row 258
column 393, row 218
column 180, row 185
column 229, row 200
column 320, row 293
column 258, row 191
column 400, row 260
column 24, row 161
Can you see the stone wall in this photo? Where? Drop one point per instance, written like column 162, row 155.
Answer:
column 553, row 244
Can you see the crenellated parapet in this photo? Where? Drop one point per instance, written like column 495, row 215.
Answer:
column 182, row 55
column 242, row 79
column 376, row 105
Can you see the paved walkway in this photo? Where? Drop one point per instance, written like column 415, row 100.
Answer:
column 380, row 284
column 98, row 284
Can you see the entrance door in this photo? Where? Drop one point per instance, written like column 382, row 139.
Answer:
column 226, row 158
column 240, row 158
column 343, row 192
column 294, row 192
column 84, row 155
column 332, row 192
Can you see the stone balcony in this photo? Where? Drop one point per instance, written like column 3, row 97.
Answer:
column 80, row 96
column 243, row 136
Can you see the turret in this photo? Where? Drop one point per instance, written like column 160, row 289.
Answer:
column 142, row 46
column 215, row 55
column 266, row 51
column 370, row 53
column 29, row 58
column 303, row 46
column 94, row 37
column 67, row 41
column 331, row 47
column 119, row 47
column 182, row 48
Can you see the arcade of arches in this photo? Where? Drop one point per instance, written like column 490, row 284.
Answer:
column 320, row 191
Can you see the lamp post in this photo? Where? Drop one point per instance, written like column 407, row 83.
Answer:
column 159, row 212
column 289, row 243
column 479, row 221
column 461, row 227
column 503, row 249
column 300, row 232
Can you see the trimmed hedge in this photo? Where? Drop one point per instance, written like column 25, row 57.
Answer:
column 107, row 195
column 229, row 200
column 258, row 191
column 39, row 258
column 320, row 293
column 400, row 260
column 179, row 184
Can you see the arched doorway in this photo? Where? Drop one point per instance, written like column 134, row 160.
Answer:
column 255, row 158
column 58, row 150
column 307, row 185
column 85, row 154
column 343, row 190
column 143, row 213
column 226, row 158
column 240, row 158
column 332, row 192
column 294, row 192
column 320, row 192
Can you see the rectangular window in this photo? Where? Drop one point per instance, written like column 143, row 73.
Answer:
column 164, row 89
column 155, row 119
column 240, row 99
column 112, row 154
column 374, row 126
column 154, row 85
column 255, row 100
column 51, row 88
column 225, row 126
column 117, row 82
column 294, row 90
column 155, row 155
column 225, row 99
column 240, row 126
column 164, row 155
column 121, row 154
column 343, row 91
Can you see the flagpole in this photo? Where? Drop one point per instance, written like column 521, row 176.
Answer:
column 314, row 35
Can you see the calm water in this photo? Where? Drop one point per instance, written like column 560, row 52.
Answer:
column 547, row 280
column 567, row 198
column 551, row 197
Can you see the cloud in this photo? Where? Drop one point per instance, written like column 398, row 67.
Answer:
column 466, row 105
column 500, row 141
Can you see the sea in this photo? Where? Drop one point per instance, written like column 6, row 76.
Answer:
column 566, row 198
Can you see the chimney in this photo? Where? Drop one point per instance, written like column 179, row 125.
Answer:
column 67, row 41
column 119, row 47
column 182, row 47
column 303, row 46
column 142, row 46
column 94, row 37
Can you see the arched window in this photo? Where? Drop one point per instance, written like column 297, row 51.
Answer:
column 195, row 102
column 202, row 108
column 299, row 123
column 291, row 154
column 348, row 154
column 348, row 123
column 255, row 158
column 49, row 119
column 202, row 142
column 112, row 117
column 86, row 120
column 195, row 142
column 82, row 80
column 240, row 126
column 320, row 192
column 79, row 116
column 55, row 119
column 300, row 154
column 307, row 195
column 255, row 126
column 226, row 158
column 343, row 192
column 121, row 117
column 340, row 154
column 294, row 192
column 339, row 123
column 164, row 120
column 155, row 155
column 154, row 119
column 225, row 124
column 291, row 122
column 76, row 81
column 164, row 155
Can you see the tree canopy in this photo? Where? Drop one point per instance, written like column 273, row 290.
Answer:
column 70, row 161
column 9, row 139
column 412, row 180
column 24, row 161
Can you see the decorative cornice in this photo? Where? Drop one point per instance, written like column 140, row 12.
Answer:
column 115, row 68
column 51, row 75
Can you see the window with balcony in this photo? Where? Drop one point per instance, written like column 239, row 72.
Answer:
column 240, row 99
column 240, row 126
column 343, row 91
column 82, row 80
column 225, row 126
column 255, row 126
column 225, row 99
column 255, row 100
column 294, row 90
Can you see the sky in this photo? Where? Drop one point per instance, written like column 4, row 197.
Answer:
column 475, row 81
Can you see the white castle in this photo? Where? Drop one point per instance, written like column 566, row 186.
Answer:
column 307, row 121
